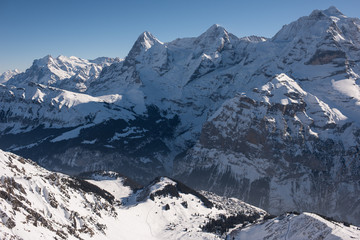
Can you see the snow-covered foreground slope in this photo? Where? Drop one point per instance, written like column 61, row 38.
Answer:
column 39, row 204
column 297, row 227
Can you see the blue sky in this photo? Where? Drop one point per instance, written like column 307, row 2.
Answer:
column 88, row 29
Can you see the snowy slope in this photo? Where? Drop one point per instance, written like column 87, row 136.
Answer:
column 38, row 204
column 119, row 186
column 295, row 226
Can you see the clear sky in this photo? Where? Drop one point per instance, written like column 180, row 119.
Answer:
column 31, row 29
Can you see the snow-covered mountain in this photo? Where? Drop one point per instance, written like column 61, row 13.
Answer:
column 4, row 77
column 39, row 204
column 69, row 73
column 178, row 108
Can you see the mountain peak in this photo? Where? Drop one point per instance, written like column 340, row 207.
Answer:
column 279, row 87
column 42, row 62
column 215, row 27
column 215, row 30
column 314, row 26
column 284, row 81
column 63, row 58
column 143, row 43
column 330, row 12
column 146, row 40
column 4, row 77
column 164, row 186
column 333, row 11
column 214, row 38
column 49, row 60
column 147, row 34
column 16, row 71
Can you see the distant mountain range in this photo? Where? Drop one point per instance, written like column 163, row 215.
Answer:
column 8, row 74
column 273, row 122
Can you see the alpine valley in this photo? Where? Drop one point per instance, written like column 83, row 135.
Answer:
column 274, row 122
